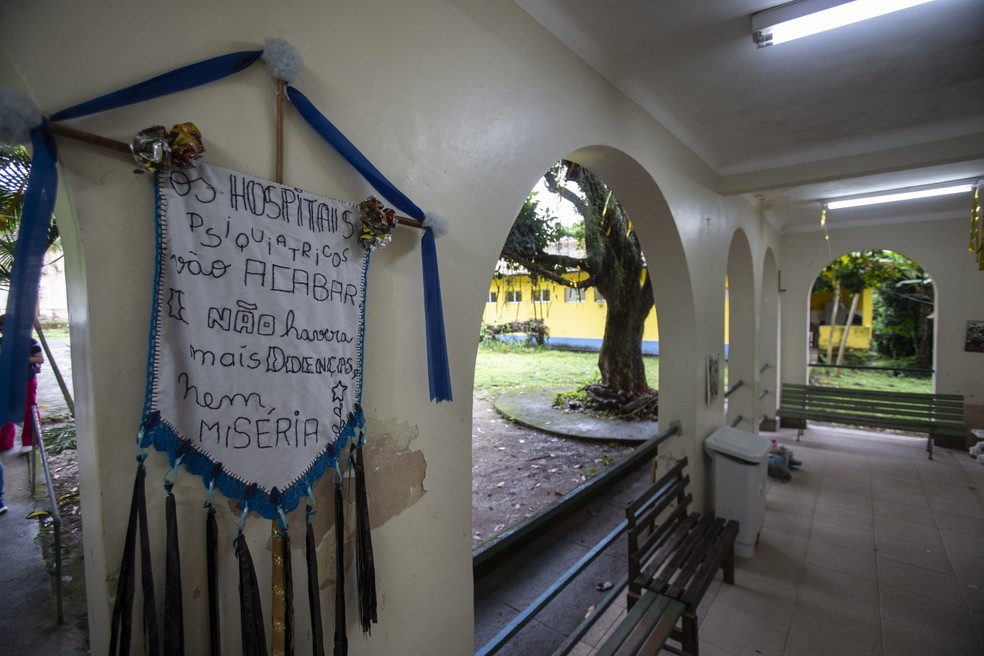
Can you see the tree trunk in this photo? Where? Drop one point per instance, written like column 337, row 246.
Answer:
column 833, row 322
column 620, row 361
column 847, row 328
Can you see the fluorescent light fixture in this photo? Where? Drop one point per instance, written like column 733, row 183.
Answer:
column 896, row 196
column 794, row 20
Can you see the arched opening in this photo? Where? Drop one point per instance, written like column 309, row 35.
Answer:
column 768, row 343
column 740, row 347
column 871, row 323
column 643, row 201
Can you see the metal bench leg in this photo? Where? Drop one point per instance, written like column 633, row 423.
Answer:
column 728, row 567
column 690, row 642
column 929, row 446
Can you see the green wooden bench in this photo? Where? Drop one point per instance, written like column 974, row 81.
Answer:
column 939, row 415
column 675, row 553
column 645, row 629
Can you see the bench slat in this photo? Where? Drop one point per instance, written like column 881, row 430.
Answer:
column 645, row 628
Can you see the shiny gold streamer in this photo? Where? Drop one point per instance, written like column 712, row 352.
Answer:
column 977, row 229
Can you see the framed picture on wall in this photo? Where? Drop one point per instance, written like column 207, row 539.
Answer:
column 713, row 377
column 975, row 337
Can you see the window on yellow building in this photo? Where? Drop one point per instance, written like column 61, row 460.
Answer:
column 598, row 297
column 541, row 295
column 573, row 295
column 514, row 296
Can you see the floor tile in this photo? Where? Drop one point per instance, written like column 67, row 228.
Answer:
column 841, row 627
column 966, row 493
column 859, row 539
column 844, row 516
column 903, row 511
column 791, row 523
column 838, row 589
column 840, row 559
column 847, row 500
column 972, row 509
column 759, row 596
column 961, row 523
column 943, row 621
column 968, row 567
column 924, row 533
column 905, row 640
column 962, row 543
column 743, row 633
column 934, row 558
column 801, row 643
column 924, row 582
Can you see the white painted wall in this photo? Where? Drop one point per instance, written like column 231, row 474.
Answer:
column 462, row 104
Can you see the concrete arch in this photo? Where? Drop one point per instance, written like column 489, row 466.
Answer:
column 742, row 345
column 660, row 238
column 767, row 363
column 673, row 290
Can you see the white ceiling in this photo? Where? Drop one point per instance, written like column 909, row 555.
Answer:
column 892, row 102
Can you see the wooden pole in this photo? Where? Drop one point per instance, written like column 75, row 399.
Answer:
column 60, row 130
column 278, row 587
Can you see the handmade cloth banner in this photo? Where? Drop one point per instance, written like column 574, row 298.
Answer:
column 257, row 333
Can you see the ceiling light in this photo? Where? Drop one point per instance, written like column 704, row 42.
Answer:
column 794, row 20
column 900, row 195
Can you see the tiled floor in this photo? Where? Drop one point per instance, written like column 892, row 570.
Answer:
column 871, row 548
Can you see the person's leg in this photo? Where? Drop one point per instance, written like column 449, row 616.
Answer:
column 7, row 434
column 27, row 432
column 3, row 508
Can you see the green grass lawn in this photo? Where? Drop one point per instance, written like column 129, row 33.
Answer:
column 873, row 380
column 506, row 366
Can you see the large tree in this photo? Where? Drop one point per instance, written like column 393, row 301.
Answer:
column 613, row 264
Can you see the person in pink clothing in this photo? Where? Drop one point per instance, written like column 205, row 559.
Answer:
column 7, row 432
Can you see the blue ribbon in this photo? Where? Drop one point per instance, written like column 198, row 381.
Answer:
column 39, row 202
column 25, row 275
column 437, row 351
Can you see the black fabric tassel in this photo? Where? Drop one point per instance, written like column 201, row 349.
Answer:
column 341, row 638
column 173, row 605
column 152, row 639
column 122, row 624
column 365, row 566
column 288, row 598
column 212, row 573
column 250, row 610
column 314, row 595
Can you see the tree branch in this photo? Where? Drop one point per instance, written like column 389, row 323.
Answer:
column 543, row 272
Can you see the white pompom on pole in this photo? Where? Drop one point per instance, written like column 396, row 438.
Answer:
column 437, row 223
column 18, row 116
column 282, row 59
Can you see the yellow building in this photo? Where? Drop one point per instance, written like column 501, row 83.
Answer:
column 858, row 335
column 575, row 317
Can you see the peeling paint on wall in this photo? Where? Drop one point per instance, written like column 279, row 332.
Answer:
column 394, row 479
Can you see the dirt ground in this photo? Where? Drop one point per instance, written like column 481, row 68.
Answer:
column 516, row 471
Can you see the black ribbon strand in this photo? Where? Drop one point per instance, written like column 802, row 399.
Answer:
column 314, row 594
column 341, row 639
column 212, row 572
column 250, row 609
column 173, row 605
column 365, row 566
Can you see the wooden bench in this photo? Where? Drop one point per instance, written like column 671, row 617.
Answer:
column 675, row 553
column 939, row 415
column 645, row 629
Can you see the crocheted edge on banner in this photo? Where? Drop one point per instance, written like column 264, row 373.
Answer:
column 162, row 436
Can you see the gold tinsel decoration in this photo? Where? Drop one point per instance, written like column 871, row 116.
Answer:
column 976, row 228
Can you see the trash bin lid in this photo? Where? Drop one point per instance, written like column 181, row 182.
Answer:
column 738, row 444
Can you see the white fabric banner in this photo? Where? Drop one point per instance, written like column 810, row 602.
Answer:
column 256, row 356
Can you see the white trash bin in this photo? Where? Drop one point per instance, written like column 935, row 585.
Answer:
column 740, row 461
